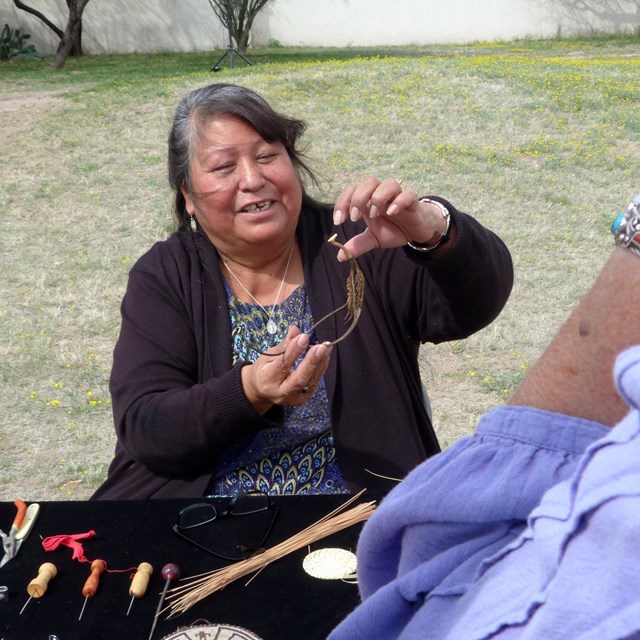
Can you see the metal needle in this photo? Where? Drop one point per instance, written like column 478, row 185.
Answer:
column 91, row 585
column 38, row 586
column 169, row 572
column 139, row 582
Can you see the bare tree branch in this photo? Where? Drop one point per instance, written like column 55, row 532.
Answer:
column 40, row 16
column 237, row 16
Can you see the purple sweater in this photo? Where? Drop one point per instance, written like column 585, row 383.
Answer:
column 527, row 530
column 178, row 402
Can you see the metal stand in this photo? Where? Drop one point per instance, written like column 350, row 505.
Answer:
column 230, row 49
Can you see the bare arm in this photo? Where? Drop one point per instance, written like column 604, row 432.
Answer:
column 574, row 374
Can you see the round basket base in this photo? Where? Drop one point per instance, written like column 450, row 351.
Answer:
column 212, row 632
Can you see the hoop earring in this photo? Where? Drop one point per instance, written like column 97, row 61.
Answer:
column 194, row 226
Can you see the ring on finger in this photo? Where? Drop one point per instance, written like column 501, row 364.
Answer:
column 304, row 389
column 399, row 182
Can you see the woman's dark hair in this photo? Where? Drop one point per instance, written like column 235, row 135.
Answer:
column 203, row 105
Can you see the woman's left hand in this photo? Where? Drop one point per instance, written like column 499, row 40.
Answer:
column 394, row 216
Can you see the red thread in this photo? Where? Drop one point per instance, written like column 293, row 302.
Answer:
column 53, row 542
column 124, row 571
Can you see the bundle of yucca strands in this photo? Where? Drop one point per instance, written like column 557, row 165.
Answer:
column 183, row 597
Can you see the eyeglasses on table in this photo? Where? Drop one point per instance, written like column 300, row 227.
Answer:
column 203, row 525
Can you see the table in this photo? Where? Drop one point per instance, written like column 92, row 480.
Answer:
column 281, row 602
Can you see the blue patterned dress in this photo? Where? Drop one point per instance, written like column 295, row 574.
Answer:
column 297, row 457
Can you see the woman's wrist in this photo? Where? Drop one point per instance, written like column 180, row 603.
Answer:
column 440, row 235
column 260, row 404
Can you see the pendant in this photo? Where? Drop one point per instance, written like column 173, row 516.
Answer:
column 271, row 327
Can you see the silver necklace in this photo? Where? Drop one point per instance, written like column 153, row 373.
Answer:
column 272, row 327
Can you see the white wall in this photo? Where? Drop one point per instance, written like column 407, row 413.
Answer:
column 122, row 26
column 391, row 22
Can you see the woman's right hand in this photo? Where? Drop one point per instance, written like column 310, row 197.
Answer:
column 393, row 215
column 271, row 379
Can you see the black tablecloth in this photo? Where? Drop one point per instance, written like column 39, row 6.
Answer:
column 281, row 603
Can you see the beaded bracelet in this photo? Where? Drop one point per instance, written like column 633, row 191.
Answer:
column 626, row 227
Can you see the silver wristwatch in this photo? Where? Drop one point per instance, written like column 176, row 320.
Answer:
column 626, row 227
column 426, row 246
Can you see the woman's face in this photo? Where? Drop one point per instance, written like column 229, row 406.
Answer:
column 245, row 190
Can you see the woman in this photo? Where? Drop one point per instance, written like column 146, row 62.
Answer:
column 198, row 407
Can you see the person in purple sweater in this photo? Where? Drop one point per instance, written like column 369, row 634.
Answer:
column 198, row 408
column 528, row 529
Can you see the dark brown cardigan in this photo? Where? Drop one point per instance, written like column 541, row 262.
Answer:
column 178, row 401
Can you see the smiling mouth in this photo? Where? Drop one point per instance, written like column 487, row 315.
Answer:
column 256, row 208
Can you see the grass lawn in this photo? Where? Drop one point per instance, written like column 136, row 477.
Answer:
column 540, row 140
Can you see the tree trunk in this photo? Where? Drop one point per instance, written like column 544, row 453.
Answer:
column 71, row 38
column 242, row 42
column 71, row 41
